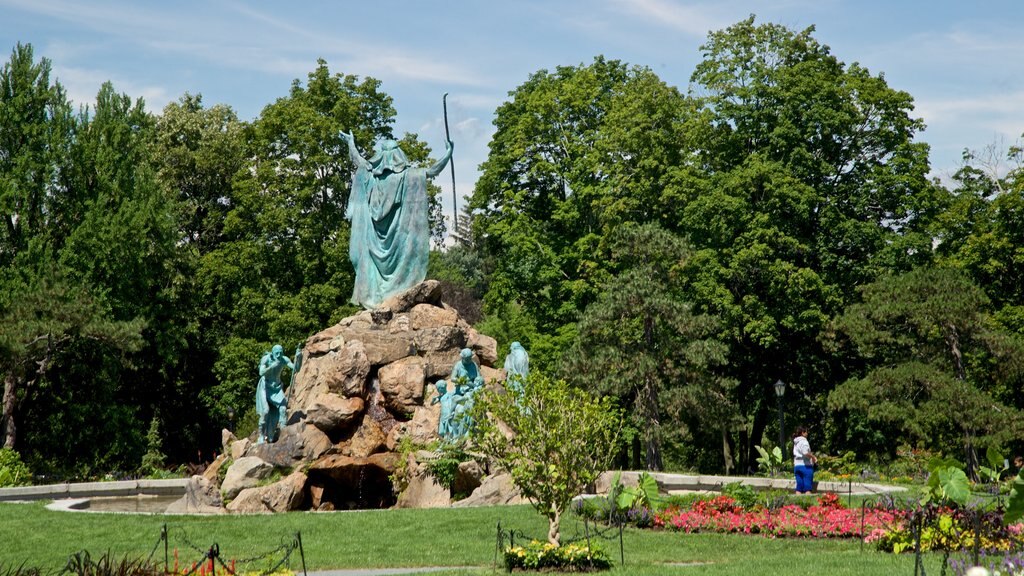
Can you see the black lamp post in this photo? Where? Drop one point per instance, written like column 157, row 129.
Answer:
column 780, row 391
column 231, row 420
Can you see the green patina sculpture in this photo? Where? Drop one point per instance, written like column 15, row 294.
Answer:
column 466, row 376
column 390, row 241
column 447, row 400
column 271, row 402
column 466, row 373
column 517, row 367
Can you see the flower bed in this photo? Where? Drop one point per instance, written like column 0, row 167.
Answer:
column 949, row 529
column 546, row 556
column 826, row 519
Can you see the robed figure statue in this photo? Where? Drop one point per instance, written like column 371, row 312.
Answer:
column 387, row 206
column 271, row 401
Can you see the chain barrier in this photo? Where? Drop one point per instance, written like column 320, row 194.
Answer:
column 81, row 563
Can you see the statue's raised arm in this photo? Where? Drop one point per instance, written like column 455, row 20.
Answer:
column 353, row 153
column 440, row 164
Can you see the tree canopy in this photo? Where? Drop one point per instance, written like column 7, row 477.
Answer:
column 674, row 249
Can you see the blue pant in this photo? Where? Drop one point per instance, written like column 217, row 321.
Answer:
column 804, row 478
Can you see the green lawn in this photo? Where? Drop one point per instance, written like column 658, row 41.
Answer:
column 439, row 537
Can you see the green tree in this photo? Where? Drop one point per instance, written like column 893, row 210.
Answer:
column 809, row 183
column 933, row 356
column 576, row 152
column 43, row 318
column 127, row 246
column 198, row 152
column 35, row 135
column 981, row 230
column 61, row 182
column 553, row 439
column 643, row 345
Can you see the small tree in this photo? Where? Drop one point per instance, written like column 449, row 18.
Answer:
column 552, row 438
column 154, row 460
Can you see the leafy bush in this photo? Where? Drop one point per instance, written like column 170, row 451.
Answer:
column 744, row 495
column 839, row 466
column 945, row 529
column 912, row 462
column 13, row 472
column 446, row 467
column 546, row 556
column 644, row 495
column 769, row 463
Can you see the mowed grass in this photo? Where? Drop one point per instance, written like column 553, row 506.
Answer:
column 32, row 535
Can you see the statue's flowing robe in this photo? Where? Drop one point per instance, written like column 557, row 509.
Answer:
column 271, row 400
column 390, row 242
column 517, row 362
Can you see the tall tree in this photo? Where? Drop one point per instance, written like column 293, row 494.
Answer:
column 981, row 230
column 640, row 343
column 933, row 359
column 812, row 185
column 576, row 152
column 35, row 135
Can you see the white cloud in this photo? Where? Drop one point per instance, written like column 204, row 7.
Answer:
column 82, row 85
column 694, row 20
column 948, row 109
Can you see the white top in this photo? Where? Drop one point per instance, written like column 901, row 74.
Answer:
column 801, row 447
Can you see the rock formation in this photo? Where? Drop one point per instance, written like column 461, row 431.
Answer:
column 364, row 384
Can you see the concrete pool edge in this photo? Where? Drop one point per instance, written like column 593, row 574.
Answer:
column 86, row 490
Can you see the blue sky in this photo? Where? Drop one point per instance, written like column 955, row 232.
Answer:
column 962, row 61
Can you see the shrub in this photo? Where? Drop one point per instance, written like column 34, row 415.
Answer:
column 13, row 472
column 744, row 495
column 577, row 557
column 446, row 467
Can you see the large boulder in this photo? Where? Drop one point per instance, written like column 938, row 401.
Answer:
column 341, row 371
column 422, row 489
column 282, row 496
column 497, row 489
column 402, row 384
column 212, row 472
column 485, row 347
column 239, row 448
column 201, row 497
column 330, row 412
column 426, row 292
column 297, row 443
column 369, row 438
column 468, row 477
column 246, row 472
